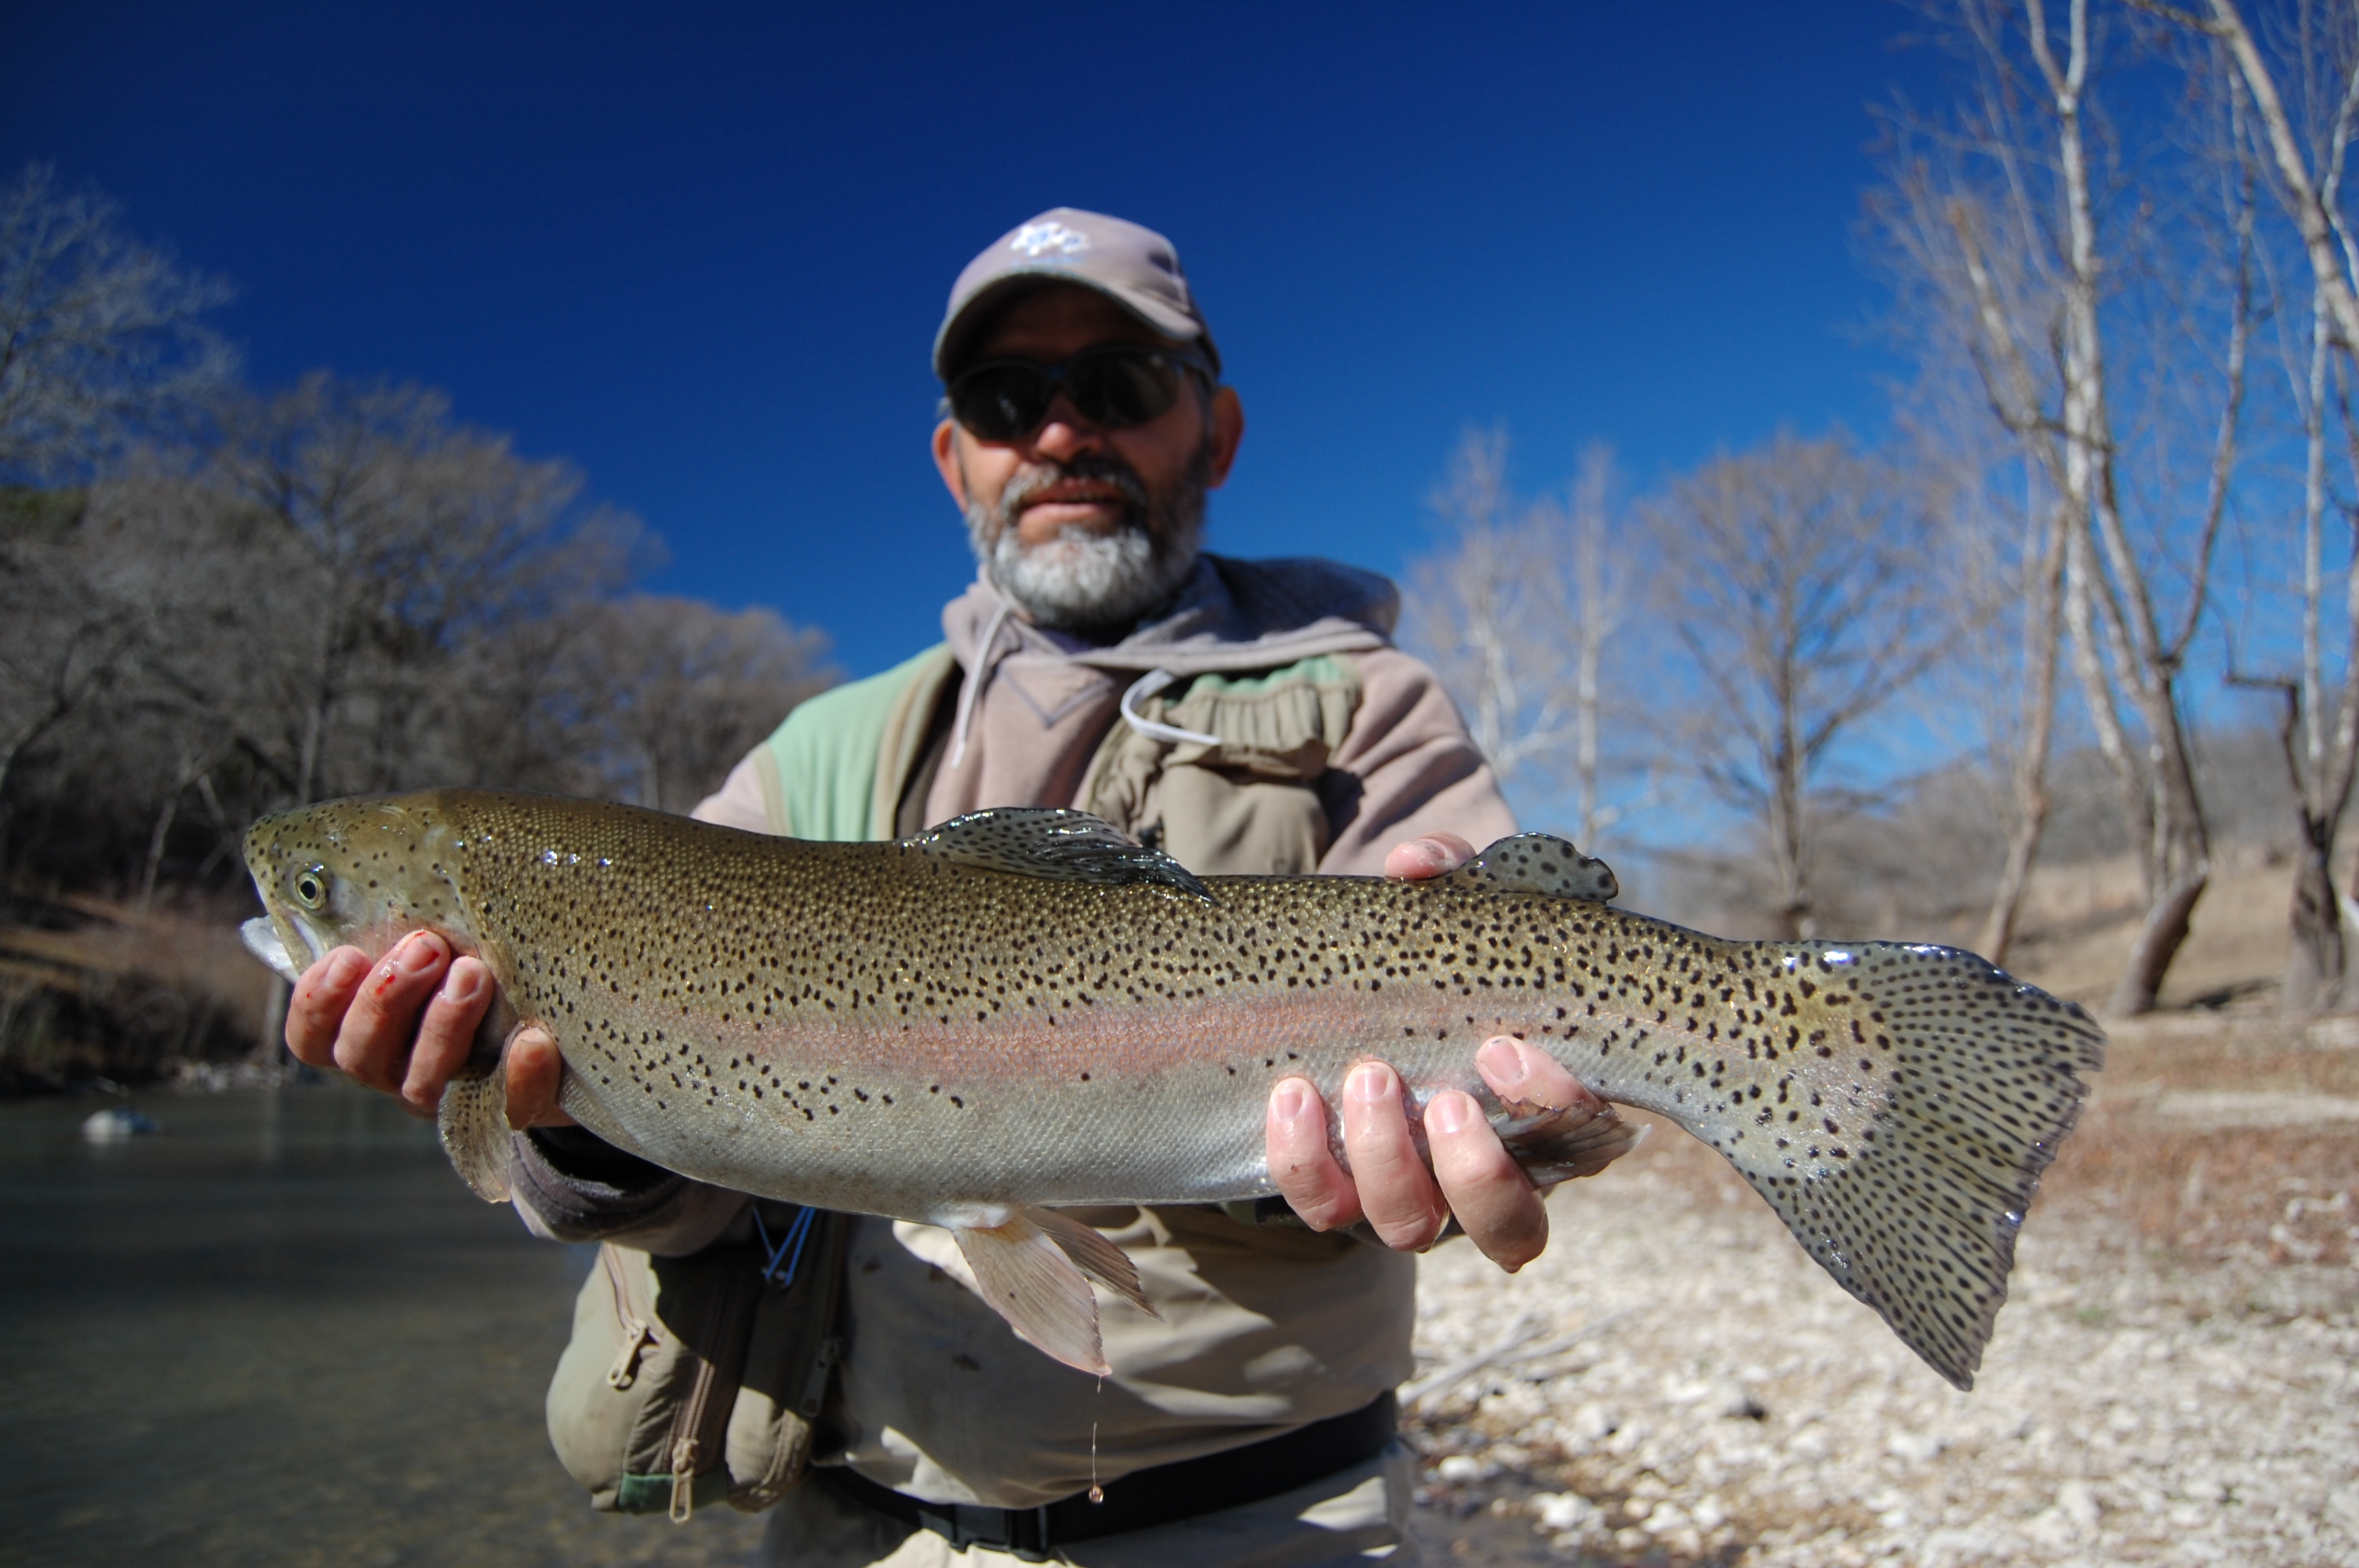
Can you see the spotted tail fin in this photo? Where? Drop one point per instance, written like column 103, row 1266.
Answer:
column 1895, row 1104
column 1980, row 1082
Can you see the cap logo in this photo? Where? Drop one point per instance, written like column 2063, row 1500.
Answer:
column 1032, row 238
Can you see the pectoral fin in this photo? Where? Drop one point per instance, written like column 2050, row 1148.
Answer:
column 1558, row 1143
column 1026, row 1274
column 474, row 1122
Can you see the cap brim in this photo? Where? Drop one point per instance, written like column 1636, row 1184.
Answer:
column 953, row 341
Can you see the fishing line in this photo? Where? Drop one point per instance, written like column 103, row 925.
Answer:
column 1097, row 1493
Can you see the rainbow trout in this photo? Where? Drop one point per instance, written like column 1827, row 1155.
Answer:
column 1022, row 1010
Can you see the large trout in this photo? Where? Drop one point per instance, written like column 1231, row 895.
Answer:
column 1024, row 1009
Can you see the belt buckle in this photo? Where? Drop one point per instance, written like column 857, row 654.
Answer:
column 1022, row 1533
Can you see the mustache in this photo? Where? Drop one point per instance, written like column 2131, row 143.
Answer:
column 1103, row 468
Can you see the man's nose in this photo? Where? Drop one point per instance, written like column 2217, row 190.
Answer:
column 1065, row 434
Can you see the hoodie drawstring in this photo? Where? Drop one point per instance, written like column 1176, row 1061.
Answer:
column 1144, row 687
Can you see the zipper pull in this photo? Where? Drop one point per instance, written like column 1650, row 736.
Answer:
column 638, row 1335
column 683, row 1478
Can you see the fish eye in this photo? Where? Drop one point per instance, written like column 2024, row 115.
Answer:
column 310, row 886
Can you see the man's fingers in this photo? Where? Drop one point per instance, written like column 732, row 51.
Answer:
column 1303, row 1164
column 374, row 1044
column 1431, row 856
column 1488, row 1191
column 1530, row 1080
column 447, row 1033
column 1397, row 1193
column 535, row 1072
column 316, row 1011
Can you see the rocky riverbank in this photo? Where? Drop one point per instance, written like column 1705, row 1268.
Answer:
column 2175, row 1379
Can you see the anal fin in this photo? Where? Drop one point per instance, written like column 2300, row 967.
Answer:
column 1028, row 1279
column 474, row 1122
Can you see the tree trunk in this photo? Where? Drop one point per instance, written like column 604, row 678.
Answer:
column 2315, row 961
column 2159, row 941
column 2042, row 634
column 2022, row 849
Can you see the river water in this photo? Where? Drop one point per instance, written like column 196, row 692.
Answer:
column 281, row 1331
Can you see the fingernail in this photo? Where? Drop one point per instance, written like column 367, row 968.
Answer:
column 415, row 954
column 1369, row 1084
column 346, row 966
column 462, row 984
column 1449, row 1112
column 1290, row 1101
column 1502, row 1059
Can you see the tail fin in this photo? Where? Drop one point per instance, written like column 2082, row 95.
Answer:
column 1914, row 1096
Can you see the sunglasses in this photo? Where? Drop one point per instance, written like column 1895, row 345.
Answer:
column 1114, row 387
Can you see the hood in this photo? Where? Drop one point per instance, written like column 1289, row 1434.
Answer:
column 1231, row 615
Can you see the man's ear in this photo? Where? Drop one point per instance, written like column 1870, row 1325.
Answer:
column 946, row 460
column 1228, row 430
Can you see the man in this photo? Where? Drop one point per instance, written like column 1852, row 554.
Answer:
column 1244, row 717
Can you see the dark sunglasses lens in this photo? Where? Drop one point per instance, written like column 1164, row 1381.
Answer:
column 1120, row 390
column 1000, row 402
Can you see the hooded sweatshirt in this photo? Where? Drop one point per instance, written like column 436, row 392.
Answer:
column 1361, row 732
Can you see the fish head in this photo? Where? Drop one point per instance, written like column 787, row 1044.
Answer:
column 360, row 873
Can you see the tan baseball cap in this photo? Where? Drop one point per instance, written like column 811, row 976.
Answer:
column 1134, row 267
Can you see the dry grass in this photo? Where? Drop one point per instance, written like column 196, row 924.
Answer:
column 93, row 987
column 2080, row 920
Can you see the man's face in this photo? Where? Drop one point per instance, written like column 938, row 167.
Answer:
column 1082, row 526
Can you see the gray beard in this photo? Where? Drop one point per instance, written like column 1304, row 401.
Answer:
column 1081, row 581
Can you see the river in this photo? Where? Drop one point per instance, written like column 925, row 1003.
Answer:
column 281, row 1331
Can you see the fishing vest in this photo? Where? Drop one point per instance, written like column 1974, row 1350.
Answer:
column 856, row 763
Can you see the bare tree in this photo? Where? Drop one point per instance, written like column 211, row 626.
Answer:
column 684, row 689
column 1999, row 213
column 397, row 538
column 1488, row 607
column 2308, row 133
column 1603, row 582
column 1797, row 578
column 1518, row 609
column 64, row 634
column 99, row 335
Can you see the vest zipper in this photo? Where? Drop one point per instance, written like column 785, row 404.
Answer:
column 638, row 1332
column 684, row 1455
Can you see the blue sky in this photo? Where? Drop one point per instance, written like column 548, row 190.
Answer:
column 701, row 250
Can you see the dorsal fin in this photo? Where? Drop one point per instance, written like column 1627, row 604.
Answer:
column 1540, row 862
column 1061, row 844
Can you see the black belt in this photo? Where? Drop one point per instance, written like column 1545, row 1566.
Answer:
column 1143, row 1498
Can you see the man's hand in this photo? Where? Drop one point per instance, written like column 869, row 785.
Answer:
column 1472, row 1174
column 404, row 1024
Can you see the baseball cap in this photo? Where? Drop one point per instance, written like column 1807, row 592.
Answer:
column 1136, row 267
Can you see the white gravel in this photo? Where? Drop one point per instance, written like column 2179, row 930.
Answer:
column 1732, row 1404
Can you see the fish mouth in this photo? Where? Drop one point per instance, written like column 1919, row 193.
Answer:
column 265, row 937
column 263, row 940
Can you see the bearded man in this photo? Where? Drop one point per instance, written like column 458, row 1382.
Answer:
column 1244, row 717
